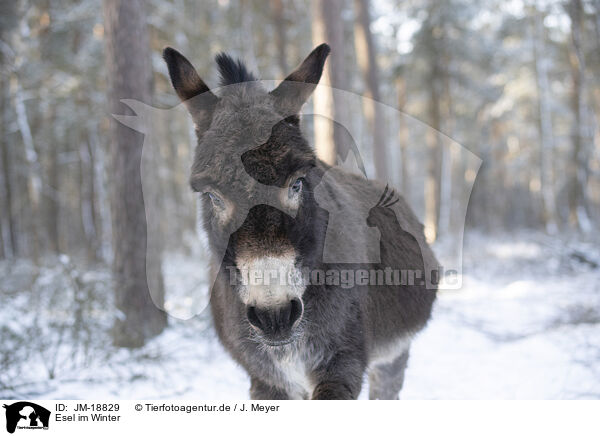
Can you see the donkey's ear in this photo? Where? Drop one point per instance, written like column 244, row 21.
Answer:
column 190, row 88
column 293, row 92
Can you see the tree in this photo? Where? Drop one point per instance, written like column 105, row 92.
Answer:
column 367, row 63
column 7, row 219
column 130, row 76
column 403, row 136
column 8, row 227
column 578, row 168
column 327, row 27
column 545, row 123
column 280, row 36
column 29, row 151
column 432, row 36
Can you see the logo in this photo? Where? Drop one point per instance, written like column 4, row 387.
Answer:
column 354, row 230
column 26, row 415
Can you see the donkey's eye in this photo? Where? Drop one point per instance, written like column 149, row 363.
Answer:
column 296, row 187
column 214, row 198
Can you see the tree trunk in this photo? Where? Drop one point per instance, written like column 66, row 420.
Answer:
column 367, row 62
column 280, row 36
column 31, row 158
column 34, row 181
column 434, row 148
column 327, row 26
column 545, row 127
column 52, row 197
column 87, row 199
column 434, row 164
column 449, row 193
column 578, row 168
column 247, row 35
column 7, row 216
column 130, row 76
column 403, row 138
column 104, row 224
column 434, row 34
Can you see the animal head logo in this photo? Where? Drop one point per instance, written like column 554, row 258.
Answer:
column 26, row 415
column 339, row 246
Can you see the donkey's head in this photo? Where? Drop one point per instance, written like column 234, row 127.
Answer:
column 255, row 173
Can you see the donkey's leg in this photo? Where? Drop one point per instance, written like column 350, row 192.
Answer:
column 260, row 390
column 386, row 379
column 340, row 378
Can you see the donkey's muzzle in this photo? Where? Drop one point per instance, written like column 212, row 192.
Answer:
column 276, row 324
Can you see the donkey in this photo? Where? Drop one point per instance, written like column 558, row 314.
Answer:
column 259, row 183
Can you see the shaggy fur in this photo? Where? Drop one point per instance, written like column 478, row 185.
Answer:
column 250, row 155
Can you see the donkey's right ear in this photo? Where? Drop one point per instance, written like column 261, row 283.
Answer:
column 190, row 88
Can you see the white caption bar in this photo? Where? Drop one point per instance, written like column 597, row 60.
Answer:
column 290, row 418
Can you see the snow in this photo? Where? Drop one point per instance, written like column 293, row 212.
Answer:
column 525, row 325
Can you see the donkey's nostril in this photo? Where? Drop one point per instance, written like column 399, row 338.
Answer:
column 252, row 315
column 285, row 316
column 295, row 310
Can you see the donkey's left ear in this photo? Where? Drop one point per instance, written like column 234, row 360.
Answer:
column 190, row 88
column 296, row 88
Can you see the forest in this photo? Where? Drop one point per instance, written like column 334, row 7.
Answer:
column 484, row 115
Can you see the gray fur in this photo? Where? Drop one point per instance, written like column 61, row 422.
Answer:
column 249, row 145
column 386, row 379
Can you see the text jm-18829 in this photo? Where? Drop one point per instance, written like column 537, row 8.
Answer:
column 90, row 407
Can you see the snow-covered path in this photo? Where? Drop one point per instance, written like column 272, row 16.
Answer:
column 525, row 325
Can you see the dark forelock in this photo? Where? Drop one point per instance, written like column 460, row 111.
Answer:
column 232, row 71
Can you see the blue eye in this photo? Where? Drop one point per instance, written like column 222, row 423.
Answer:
column 214, row 198
column 296, row 187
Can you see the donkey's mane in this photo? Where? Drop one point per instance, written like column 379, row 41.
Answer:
column 232, row 71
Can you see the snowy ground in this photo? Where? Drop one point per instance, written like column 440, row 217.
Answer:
column 525, row 325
